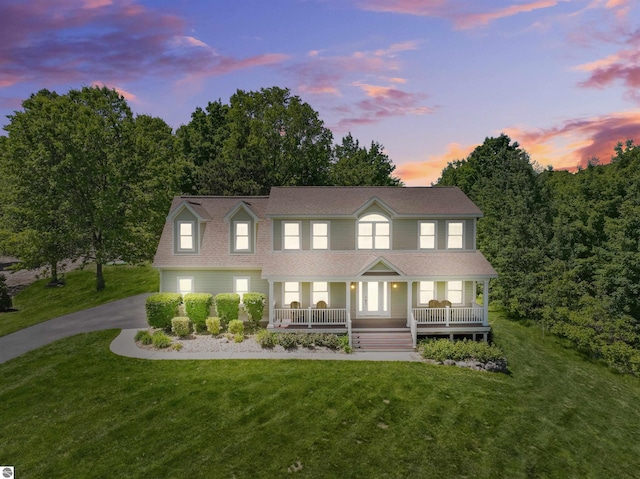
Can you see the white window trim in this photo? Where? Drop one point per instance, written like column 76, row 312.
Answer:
column 235, row 237
column 373, row 223
column 435, row 234
column 313, row 236
column 433, row 290
column 462, row 222
column 235, row 286
column 461, row 292
column 313, row 303
column 284, row 293
column 193, row 236
column 181, row 278
column 284, row 237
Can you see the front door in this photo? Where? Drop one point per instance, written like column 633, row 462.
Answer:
column 373, row 299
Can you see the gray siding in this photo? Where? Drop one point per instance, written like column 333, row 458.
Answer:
column 343, row 235
column 405, row 235
column 213, row 282
column 398, row 300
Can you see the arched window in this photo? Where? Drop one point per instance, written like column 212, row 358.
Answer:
column 374, row 232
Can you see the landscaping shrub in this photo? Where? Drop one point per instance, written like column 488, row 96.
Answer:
column 143, row 336
column 444, row 349
column 238, row 338
column 266, row 339
column 5, row 298
column 213, row 326
column 344, row 344
column 180, row 326
column 227, row 306
column 160, row 340
column 161, row 308
column 236, row 327
column 254, row 304
column 288, row 340
column 198, row 307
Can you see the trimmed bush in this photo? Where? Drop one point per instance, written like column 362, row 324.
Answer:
column 445, row 349
column 213, row 326
column 254, row 304
column 236, row 327
column 266, row 339
column 227, row 306
column 160, row 340
column 238, row 338
column 162, row 308
column 198, row 307
column 288, row 340
column 180, row 326
column 143, row 336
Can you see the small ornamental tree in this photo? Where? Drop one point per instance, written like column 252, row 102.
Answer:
column 5, row 298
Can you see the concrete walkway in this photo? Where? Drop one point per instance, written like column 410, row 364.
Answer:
column 129, row 315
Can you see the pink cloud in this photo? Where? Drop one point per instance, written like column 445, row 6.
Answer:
column 460, row 14
column 130, row 97
column 425, row 172
column 116, row 40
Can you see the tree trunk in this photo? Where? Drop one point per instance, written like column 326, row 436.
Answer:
column 99, row 277
column 54, row 272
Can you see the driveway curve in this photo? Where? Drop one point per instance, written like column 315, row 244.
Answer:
column 125, row 313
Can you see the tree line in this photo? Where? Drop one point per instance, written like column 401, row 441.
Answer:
column 566, row 245
column 82, row 177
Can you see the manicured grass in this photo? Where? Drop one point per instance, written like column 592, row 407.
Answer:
column 39, row 303
column 73, row 409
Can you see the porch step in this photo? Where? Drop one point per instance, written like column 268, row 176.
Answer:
column 383, row 340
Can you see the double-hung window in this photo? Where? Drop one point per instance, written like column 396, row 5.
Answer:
column 186, row 233
column 242, row 239
column 291, row 292
column 455, row 235
column 454, row 292
column 374, row 232
column 291, row 235
column 320, row 292
column 241, row 286
column 185, row 284
column 427, row 291
column 427, row 235
column 320, row 235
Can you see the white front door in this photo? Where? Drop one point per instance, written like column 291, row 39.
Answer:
column 373, row 299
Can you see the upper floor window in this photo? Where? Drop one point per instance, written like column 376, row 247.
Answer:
column 454, row 292
column 320, row 235
column 427, row 235
column 427, row 291
column 374, row 232
column 242, row 242
column 185, row 230
column 455, row 235
column 291, row 235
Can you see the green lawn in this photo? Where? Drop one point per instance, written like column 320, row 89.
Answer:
column 73, row 409
column 38, row 303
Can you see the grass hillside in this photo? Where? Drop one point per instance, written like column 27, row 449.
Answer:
column 74, row 409
column 38, row 303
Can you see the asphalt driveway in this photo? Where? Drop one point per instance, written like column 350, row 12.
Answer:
column 126, row 313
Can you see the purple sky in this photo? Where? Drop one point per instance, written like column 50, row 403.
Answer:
column 428, row 79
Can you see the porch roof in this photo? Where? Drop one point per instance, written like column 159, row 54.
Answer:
column 347, row 266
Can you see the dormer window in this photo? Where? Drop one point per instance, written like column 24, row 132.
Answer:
column 455, row 235
column 291, row 235
column 374, row 232
column 185, row 232
column 242, row 239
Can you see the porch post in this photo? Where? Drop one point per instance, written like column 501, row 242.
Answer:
column 348, row 305
column 485, row 300
column 270, row 304
column 409, row 301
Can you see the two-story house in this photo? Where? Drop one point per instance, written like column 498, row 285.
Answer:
column 345, row 259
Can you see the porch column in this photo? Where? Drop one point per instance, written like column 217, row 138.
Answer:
column 409, row 301
column 270, row 304
column 348, row 305
column 485, row 300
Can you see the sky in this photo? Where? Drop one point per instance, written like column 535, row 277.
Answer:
column 427, row 79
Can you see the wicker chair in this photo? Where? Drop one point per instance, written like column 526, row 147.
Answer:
column 321, row 305
column 434, row 303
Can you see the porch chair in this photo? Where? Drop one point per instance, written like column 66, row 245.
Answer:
column 434, row 303
column 318, row 314
column 445, row 303
column 321, row 305
column 294, row 314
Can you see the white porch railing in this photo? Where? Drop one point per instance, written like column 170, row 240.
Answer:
column 447, row 316
column 414, row 329
column 310, row 316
